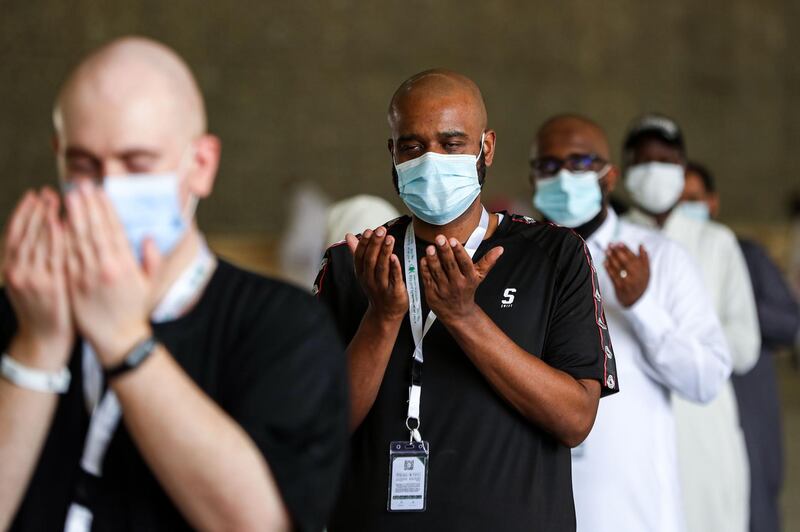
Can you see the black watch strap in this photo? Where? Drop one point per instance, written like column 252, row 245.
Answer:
column 140, row 352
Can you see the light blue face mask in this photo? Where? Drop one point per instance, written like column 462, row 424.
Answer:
column 570, row 199
column 148, row 205
column 696, row 210
column 439, row 187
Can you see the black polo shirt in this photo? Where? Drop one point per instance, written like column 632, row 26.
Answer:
column 268, row 354
column 490, row 468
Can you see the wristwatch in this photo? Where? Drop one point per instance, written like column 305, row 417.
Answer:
column 34, row 379
column 140, row 352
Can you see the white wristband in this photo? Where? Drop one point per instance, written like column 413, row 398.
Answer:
column 34, row 379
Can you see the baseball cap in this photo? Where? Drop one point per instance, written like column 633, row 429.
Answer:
column 654, row 125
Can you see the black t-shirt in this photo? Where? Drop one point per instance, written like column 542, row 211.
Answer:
column 268, row 354
column 489, row 468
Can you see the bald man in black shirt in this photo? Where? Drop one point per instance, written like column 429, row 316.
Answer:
column 481, row 415
column 202, row 396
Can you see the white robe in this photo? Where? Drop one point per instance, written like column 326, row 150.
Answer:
column 712, row 457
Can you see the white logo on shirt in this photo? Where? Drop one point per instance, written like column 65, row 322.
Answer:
column 508, row 298
column 610, row 382
column 609, row 354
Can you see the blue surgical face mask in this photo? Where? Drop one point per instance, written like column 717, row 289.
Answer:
column 148, row 205
column 697, row 210
column 570, row 198
column 438, row 187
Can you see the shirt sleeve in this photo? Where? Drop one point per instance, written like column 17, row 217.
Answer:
column 738, row 315
column 778, row 311
column 577, row 340
column 337, row 288
column 682, row 340
column 287, row 388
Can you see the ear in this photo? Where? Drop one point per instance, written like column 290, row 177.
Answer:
column 489, row 141
column 611, row 178
column 390, row 146
column 713, row 205
column 205, row 164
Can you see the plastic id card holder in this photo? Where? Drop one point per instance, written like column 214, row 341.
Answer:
column 408, row 476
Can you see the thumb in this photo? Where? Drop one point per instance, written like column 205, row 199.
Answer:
column 487, row 262
column 643, row 256
column 352, row 242
column 151, row 258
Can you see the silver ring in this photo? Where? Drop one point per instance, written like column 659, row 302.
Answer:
column 623, row 274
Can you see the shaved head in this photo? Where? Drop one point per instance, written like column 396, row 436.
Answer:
column 574, row 133
column 126, row 73
column 438, row 84
column 133, row 107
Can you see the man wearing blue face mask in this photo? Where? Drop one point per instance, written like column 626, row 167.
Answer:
column 477, row 343
column 711, row 449
column 667, row 338
column 145, row 383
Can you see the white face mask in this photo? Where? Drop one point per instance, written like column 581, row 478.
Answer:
column 655, row 186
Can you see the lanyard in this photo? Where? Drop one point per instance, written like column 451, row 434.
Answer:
column 418, row 328
column 106, row 412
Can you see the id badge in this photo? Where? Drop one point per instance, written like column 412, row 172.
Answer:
column 408, row 476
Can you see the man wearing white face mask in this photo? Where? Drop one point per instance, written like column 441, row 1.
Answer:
column 711, row 451
column 463, row 413
column 146, row 384
column 666, row 337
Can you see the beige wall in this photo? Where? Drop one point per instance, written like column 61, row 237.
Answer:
column 298, row 90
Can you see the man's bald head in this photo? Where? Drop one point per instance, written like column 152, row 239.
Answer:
column 133, row 107
column 564, row 134
column 440, row 85
column 130, row 72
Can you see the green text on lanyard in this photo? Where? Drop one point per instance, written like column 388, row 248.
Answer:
column 419, row 328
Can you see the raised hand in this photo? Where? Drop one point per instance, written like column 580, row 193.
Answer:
column 33, row 269
column 629, row 273
column 450, row 278
column 109, row 291
column 379, row 272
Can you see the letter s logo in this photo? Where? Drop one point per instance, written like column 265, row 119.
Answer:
column 508, row 297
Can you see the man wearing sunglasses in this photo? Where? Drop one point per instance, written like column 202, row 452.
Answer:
column 666, row 336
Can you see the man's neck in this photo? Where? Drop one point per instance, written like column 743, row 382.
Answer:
column 586, row 230
column 173, row 265
column 461, row 228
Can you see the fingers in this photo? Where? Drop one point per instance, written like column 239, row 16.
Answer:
column 644, row 259
column 31, row 232
column 434, row 266
column 117, row 240
column 151, row 258
column 617, row 259
column 463, row 259
column 396, row 275
column 352, row 242
column 97, row 222
column 382, row 264
column 361, row 248
column 488, row 261
column 55, row 239
column 71, row 259
column 371, row 254
column 428, row 281
column 447, row 259
column 19, row 220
